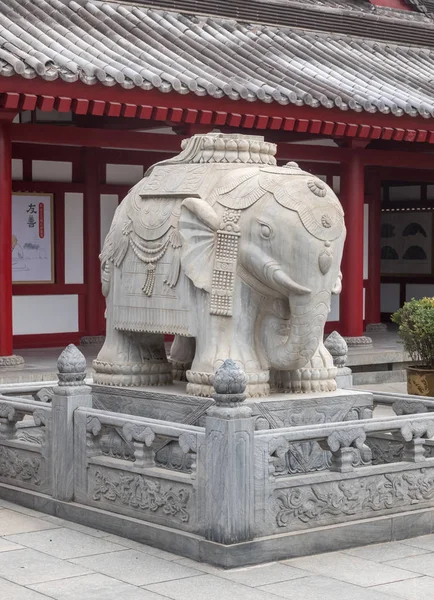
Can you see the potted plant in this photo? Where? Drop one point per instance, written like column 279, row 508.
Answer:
column 416, row 329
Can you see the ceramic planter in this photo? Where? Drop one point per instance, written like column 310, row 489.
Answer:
column 420, row 381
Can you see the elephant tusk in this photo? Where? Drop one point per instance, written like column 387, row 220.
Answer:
column 277, row 276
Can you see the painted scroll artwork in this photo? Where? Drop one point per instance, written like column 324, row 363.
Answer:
column 32, row 238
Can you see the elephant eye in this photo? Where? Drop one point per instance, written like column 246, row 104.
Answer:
column 265, row 231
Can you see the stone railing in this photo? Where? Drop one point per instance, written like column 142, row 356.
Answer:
column 25, row 444
column 358, row 481
column 404, row 404
column 138, row 467
column 223, row 492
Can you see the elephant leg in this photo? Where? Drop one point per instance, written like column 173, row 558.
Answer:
column 132, row 359
column 181, row 356
column 319, row 375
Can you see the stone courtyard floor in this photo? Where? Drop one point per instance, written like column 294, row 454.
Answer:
column 45, row 557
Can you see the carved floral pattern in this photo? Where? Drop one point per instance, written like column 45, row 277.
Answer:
column 315, row 503
column 13, row 466
column 136, row 491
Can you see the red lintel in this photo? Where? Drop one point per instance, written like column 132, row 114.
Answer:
column 205, row 117
column 234, row 120
column 248, row 121
column 175, row 115
column 29, row 101
column 80, row 106
column 97, row 108
column 129, row 110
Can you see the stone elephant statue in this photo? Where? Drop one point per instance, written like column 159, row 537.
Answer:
column 235, row 256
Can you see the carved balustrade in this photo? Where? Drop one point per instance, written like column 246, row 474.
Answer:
column 354, row 482
column 25, row 443
column 122, row 463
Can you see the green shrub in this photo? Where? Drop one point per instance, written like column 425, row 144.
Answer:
column 416, row 329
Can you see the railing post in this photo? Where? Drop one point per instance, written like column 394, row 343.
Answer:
column 68, row 395
column 229, row 439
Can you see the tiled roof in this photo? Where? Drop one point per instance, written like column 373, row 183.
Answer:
column 134, row 46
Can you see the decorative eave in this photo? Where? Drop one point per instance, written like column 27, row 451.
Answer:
column 137, row 48
column 17, row 94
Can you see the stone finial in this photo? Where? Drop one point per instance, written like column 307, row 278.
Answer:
column 338, row 348
column 71, row 366
column 229, row 383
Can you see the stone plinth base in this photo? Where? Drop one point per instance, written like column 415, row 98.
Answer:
column 374, row 530
column 171, row 403
column 344, row 378
column 11, row 361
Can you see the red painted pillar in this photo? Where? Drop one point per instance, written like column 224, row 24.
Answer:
column 352, row 196
column 91, row 234
column 5, row 239
column 373, row 291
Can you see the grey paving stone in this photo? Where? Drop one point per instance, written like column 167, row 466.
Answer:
column 322, row 588
column 263, row 574
column 210, row 587
column 22, row 509
column 142, row 547
column 28, row 566
column 135, row 567
column 200, row 566
column 351, row 568
column 423, row 564
column 6, row 545
column 71, row 525
column 385, row 552
column 94, row 587
column 426, row 542
column 419, row 587
column 14, row 522
column 64, row 543
column 12, row 591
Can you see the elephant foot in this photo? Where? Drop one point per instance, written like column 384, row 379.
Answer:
column 305, row 381
column 199, row 384
column 147, row 373
column 179, row 370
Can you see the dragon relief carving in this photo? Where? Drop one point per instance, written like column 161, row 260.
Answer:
column 138, row 492
column 13, row 466
column 316, row 503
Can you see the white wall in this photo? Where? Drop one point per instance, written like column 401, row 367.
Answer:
column 74, row 238
column 51, row 170
column 123, row 174
column 17, row 169
column 389, row 297
column 44, row 314
column 108, row 205
column 418, row 290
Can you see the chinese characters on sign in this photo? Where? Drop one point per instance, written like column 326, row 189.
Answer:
column 32, row 243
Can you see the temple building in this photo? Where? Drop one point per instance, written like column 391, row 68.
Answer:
column 92, row 93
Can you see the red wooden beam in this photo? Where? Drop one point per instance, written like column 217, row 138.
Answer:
column 94, row 138
column 118, row 95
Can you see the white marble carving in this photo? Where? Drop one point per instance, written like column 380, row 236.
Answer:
column 236, row 256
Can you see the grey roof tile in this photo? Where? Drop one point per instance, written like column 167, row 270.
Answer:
column 138, row 47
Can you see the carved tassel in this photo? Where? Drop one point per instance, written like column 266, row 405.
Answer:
column 175, row 268
column 148, row 286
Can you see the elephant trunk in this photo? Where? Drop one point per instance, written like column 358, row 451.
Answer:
column 300, row 336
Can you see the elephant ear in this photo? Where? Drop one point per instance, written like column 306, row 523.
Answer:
column 198, row 225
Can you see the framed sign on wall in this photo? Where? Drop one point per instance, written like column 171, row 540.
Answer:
column 32, row 238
